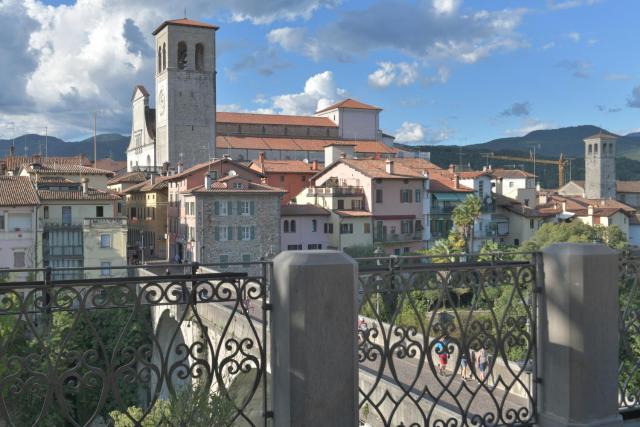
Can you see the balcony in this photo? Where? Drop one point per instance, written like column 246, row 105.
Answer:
column 339, row 191
column 105, row 222
column 440, row 209
column 397, row 238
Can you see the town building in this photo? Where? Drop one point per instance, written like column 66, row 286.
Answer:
column 185, row 180
column 515, row 184
column 445, row 193
column 305, row 227
column 146, row 209
column 18, row 205
column 230, row 220
column 291, row 175
column 11, row 164
column 78, row 226
column 122, row 182
column 522, row 221
column 97, row 178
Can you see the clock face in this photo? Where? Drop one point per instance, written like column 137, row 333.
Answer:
column 162, row 102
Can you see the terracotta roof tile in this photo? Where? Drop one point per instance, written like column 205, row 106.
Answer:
column 621, row 186
column 284, row 166
column 110, row 164
column 353, row 214
column 298, row 144
column 206, row 165
column 17, row 191
column 128, row 178
column 218, row 187
column 510, row 173
column 186, row 23
column 402, row 168
column 15, row 162
column 303, row 210
column 273, row 119
column 64, row 169
column 349, row 103
column 92, row 194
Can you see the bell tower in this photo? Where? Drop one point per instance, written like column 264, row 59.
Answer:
column 185, row 59
column 600, row 166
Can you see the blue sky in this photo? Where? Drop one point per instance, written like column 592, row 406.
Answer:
column 444, row 71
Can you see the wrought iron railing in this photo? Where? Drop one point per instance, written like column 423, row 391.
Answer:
column 629, row 364
column 448, row 341
column 155, row 350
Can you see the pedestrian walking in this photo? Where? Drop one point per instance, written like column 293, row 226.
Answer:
column 464, row 367
column 482, row 363
column 443, row 357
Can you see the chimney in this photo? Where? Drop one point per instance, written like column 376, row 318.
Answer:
column 456, row 180
column 590, row 210
column 261, row 158
column 538, row 187
column 179, row 167
column 484, row 169
column 314, row 165
column 490, row 168
column 388, row 166
column 152, row 178
column 452, row 168
column 564, row 206
column 84, row 183
column 207, row 181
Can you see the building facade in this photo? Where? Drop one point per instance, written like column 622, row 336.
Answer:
column 293, row 176
column 600, row 166
column 305, row 227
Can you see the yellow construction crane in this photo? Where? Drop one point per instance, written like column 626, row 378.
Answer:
column 561, row 163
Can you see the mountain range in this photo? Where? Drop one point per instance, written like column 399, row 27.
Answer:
column 108, row 145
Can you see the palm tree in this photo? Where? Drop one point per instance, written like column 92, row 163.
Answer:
column 465, row 216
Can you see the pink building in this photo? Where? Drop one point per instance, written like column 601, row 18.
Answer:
column 305, row 227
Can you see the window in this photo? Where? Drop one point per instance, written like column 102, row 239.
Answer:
column 481, row 189
column 346, row 228
column 406, row 226
column 222, row 234
column 367, row 228
column 532, row 223
column 164, row 60
column 246, row 259
column 245, row 207
column 66, row 215
column 105, row 268
column 314, row 246
column 356, row 204
column 18, row 259
column 595, row 148
column 105, row 240
column 237, row 185
column 293, row 225
column 285, row 226
column 294, row 247
column 281, row 178
column 396, row 251
column 99, row 211
column 526, row 202
column 314, row 225
column 418, row 226
column 45, row 213
column 590, row 149
column 406, row 250
column 378, row 195
column 405, row 196
column 159, row 59
column 340, row 203
column 199, row 57
column 1, row 222
column 418, row 196
column 224, row 261
column 244, row 232
column 182, row 55
column 328, row 228
column 303, row 178
column 516, row 242
column 510, row 184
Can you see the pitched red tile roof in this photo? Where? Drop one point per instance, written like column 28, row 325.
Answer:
column 273, row 119
column 206, row 165
column 602, row 135
column 221, row 187
column 303, row 210
column 13, row 163
column 510, row 173
column 621, row 186
column 64, row 169
column 579, row 205
column 297, row 144
column 186, row 23
column 17, row 191
column 442, row 183
column 349, row 103
column 135, row 177
column 353, row 214
column 110, row 164
column 284, row 166
column 472, row 174
column 92, row 194
column 376, row 168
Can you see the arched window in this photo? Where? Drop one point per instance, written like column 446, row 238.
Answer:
column 611, row 148
column 148, row 160
column 286, row 226
column 595, row 148
column 590, row 149
column 164, row 56
column 199, row 57
column 159, row 59
column 604, row 148
column 182, row 55
column 293, row 225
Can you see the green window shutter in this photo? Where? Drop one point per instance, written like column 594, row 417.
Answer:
column 216, row 208
column 217, row 233
column 229, row 233
column 240, row 236
column 252, row 207
column 229, row 207
column 239, row 205
column 253, row 233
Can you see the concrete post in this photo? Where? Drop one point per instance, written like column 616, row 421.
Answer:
column 313, row 337
column 579, row 336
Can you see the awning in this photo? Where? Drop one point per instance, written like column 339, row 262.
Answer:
column 451, row 197
column 565, row 215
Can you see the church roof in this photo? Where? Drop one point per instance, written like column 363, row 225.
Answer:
column 273, row 119
column 602, row 135
column 185, row 23
column 349, row 103
column 297, row 144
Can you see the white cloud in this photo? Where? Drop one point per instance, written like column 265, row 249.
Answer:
column 400, row 74
column 414, row 133
column 548, row 46
column 319, row 92
column 437, row 34
column 528, row 126
column 64, row 62
column 569, row 4
column 575, row 36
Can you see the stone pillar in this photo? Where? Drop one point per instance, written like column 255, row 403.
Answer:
column 313, row 338
column 579, row 336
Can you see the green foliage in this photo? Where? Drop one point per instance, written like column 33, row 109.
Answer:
column 360, row 251
column 464, row 217
column 576, row 232
column 194, row 407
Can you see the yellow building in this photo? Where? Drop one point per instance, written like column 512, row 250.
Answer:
column 146, row 208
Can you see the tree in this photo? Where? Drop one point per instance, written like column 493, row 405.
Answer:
column 576, row 232
column 464, row 218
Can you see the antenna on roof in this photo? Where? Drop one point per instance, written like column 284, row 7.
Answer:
column 185, row 13
column 95, row 149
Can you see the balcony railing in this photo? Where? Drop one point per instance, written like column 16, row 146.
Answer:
column 397, row 238
column 442, row 209
column 105, row 222
column 339, row 191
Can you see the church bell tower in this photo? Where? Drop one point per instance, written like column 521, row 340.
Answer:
column 185, row 92
column 600, row 166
